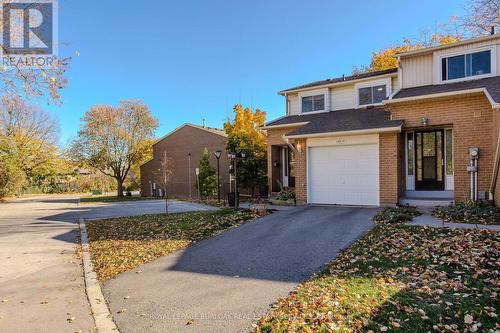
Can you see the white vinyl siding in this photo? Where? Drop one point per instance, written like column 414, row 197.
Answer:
column 425, row 69
column 417, row 71
column 343, row 97
column 293, row 104
column 338, row 97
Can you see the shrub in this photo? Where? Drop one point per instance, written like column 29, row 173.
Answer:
column 207, row 176
column 396, row 214
column 478, row 212
column 285, row 194
column 97, row 192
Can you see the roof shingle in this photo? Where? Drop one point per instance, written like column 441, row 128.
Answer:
column 491, row 84
column 340, row 121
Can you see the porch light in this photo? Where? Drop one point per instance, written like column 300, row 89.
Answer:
column 299, row 147
column 424, row 121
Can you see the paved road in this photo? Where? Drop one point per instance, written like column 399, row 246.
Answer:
column 225, row 282
column 41, row 284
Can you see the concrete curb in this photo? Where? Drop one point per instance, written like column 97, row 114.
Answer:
column 102, row 317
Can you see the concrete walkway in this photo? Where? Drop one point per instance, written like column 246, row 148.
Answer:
column 428, row 220
column 222, row 284
column 41, row 283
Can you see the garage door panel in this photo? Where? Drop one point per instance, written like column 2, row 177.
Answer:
column 344, row 175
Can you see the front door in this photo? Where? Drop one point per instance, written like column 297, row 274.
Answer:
column 429, row 160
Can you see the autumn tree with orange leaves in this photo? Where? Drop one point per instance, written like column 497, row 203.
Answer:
column 245, row 135
column 111, row 139
column 387, row 58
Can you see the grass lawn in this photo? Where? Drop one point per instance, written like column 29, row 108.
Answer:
column 120, row 244
column 111, row 198
column 400, row 279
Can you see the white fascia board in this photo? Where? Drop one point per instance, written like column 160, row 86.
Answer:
column 284, row 125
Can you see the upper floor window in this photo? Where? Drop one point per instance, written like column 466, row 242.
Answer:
column 372, row 95
column 313, row 103
column 465, row 65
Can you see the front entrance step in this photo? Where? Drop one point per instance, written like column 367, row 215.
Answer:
column 430, row 194
column 426, row 202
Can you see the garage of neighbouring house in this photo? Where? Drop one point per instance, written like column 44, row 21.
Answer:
column 343, row 170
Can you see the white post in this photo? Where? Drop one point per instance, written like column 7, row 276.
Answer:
column 197, row 170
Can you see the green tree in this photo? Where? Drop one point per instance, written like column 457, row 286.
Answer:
column 245, row 135
column 28, row 151
column 110, row 138
column 12, row 177
column 207, row 176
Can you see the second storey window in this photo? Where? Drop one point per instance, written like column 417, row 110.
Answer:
column 372, row 95
column 465, row 65
column 313, row 103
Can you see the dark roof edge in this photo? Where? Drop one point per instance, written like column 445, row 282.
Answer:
column 340, row 79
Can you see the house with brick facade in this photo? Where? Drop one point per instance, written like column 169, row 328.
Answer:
column 425, row 133
column 184, row 147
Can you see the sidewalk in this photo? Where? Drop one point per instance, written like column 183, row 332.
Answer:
column 428, row 220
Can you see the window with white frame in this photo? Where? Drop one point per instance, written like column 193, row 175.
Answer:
column 372, row 95
column 313, row 103
column 466, row 65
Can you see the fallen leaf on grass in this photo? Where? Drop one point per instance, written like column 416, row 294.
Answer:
column 468, row 319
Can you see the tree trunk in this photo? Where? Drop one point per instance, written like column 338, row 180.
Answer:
column 120, row 187
column 166, row 204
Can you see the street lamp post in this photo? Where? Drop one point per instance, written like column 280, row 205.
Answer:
column 235, row 159
column 217, row 156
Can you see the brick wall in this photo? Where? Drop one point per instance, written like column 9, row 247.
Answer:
column 186, row 140
column 301, row 173
column 388, row 161
column 471, row 118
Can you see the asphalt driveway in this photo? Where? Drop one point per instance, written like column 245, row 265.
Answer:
column 41, row 283
column 224, row 283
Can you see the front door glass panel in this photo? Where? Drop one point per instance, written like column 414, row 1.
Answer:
column 429, row 160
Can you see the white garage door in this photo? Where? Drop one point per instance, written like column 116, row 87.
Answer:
column 345, row 175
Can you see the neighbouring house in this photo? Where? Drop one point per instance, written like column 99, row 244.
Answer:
column 398, row 136
column 184, row 147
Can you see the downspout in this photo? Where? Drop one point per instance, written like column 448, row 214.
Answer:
column 400, row 73
column 496, row 167
column 286, row 104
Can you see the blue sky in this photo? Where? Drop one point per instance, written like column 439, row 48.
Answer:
column 190, row 60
